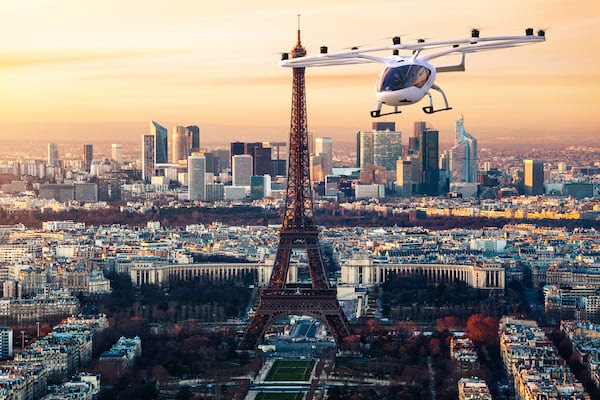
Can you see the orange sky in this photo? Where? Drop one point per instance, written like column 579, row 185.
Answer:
column 100, row 70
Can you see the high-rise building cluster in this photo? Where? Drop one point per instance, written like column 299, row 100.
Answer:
column 155, row 146
column 382, row 167
column 244, row 171
column 407, row 171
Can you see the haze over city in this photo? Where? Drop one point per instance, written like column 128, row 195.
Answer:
column 189, row 210
column 89, row 71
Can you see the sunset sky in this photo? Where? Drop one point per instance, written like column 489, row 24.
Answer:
column 101, row 70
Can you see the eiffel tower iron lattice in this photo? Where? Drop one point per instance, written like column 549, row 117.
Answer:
column 298, row 231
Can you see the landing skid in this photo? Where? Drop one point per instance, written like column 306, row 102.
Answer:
column 378, row 113
column 430, row 110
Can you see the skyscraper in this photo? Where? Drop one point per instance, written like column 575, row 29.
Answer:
column 193, row 138
column 179, row 143
column 260, row 153
column 236, row 149
column 88, row 155
column 260, row 187
column 223, row 155
column 261, row 158
column 365, row 149
column 463, row 156
column 381, row 147
column 196, row 174
column 213, row 162
column 387, row 149
column 413, row 142
column 116, row 152
column 324, row 148
column 317, row 169
column 148, row 142
column 428, row 162
column 358, row 149
column 384, row 126
column 404, row 178
column 53, row 154
column 161, row 153
column 534, row 177
column 241, row 170
column 278, row 158
column 6, row 342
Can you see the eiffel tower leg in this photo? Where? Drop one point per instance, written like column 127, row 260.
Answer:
column 281, row 266
column 316, row 267
column 339, row 326
column 255, row 330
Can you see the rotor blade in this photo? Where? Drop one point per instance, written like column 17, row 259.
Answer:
column 465, row 45
column 483, row 44
column 457, row 46
column 324, row 60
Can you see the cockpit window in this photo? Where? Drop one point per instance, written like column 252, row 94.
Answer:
column 397, row 78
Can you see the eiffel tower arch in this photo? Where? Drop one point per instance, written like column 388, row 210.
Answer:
column 298, row 232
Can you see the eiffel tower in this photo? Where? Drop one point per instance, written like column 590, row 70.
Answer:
column 298, row 231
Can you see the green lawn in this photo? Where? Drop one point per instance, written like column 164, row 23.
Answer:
column 290, row 370
column 280, row 396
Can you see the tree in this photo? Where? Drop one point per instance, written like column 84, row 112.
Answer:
column 482, row 330
column 434, row 347
column 447, row 323
column 160, row 373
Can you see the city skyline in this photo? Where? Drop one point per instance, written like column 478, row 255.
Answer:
column 109, row 82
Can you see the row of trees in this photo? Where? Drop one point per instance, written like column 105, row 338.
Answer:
column 175, row 342
column 414, row 298
column 250, row 215
column 581, row 372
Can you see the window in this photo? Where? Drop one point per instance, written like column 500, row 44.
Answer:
column 397, row 78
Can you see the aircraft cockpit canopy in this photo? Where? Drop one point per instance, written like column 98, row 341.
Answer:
column 397, row 78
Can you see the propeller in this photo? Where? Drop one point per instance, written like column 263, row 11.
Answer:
column 475, row 32
column 542, row 32
column 423, row 39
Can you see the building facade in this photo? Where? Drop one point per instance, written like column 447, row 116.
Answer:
column 533, row 177
column 53, row 154
column 161, row 148
column 428, row 162
column 116, row 152
column 88, row 156
column 480, row 276
column 6, row 342
column 463, row 156
column 149, row 272
column 382, row 146
column 196, row 175
column 241, row 170
column 324, row 147
column 404, row 178
column 148, row 165
column 193, row 132
column 179, row 141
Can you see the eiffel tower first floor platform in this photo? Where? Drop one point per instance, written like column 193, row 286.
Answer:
column 320, row 304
